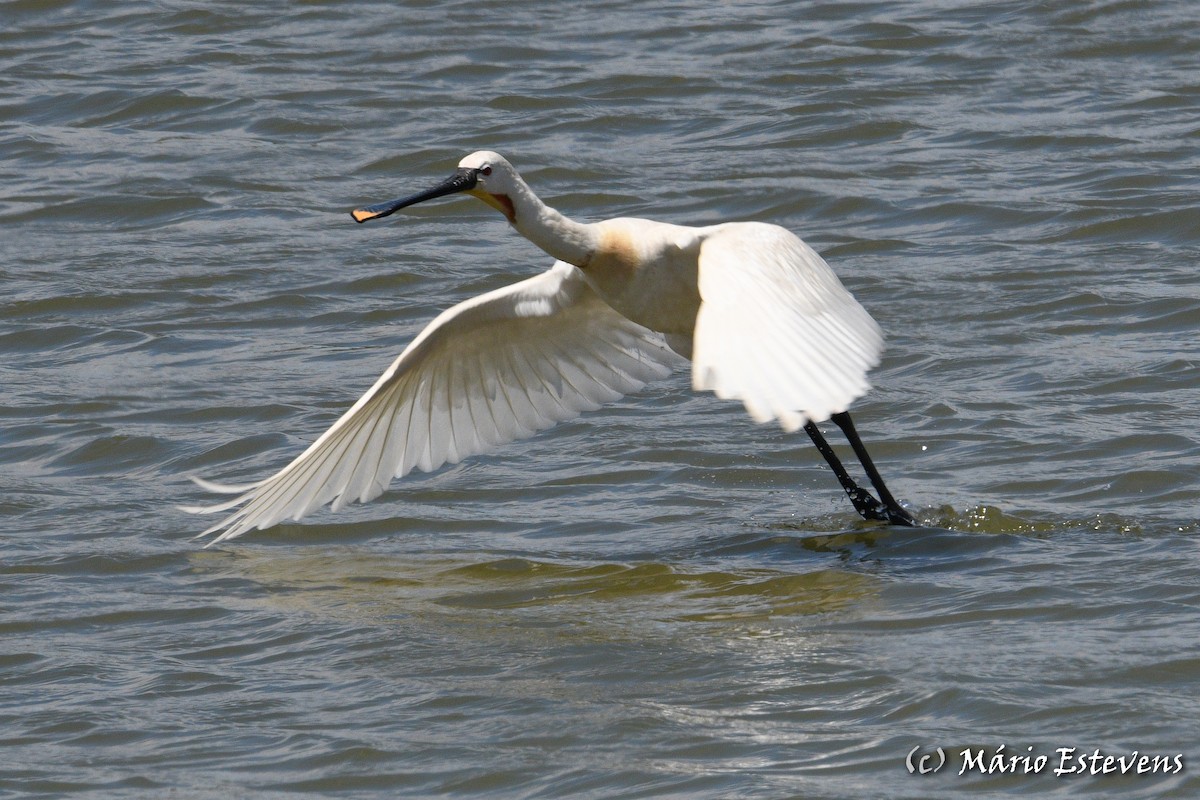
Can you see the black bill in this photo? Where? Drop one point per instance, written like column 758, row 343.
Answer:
column 461, row 181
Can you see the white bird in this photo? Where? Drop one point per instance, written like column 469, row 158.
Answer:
column 761, row 316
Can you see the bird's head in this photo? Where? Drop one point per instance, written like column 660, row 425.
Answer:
column 495, row 180
column 484, row 174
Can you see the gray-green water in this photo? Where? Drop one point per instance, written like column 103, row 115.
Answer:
column 660, row 599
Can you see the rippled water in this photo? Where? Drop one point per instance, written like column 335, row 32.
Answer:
column 660, row 599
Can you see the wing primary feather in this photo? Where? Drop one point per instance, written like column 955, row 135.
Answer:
column 415, row 434
column 281, row 493
column 366, row 463
column 485, row 405
column 454, row 414
column 426, row 457
column 391, row 462
column 365, row 483
column 470, row 437
column 224, row 488
column 525, row 418
column 546, row 416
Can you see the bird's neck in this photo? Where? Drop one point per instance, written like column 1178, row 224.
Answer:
column 561, row 237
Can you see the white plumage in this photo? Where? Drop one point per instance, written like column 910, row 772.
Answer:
column 498, row 367
column 776, row 329
column 763, row 317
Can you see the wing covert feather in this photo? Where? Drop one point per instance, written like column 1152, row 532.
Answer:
column 776, row 329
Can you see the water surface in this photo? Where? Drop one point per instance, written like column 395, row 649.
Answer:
column 660, row 599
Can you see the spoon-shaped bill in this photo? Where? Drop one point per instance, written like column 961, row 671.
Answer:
column 461, row 181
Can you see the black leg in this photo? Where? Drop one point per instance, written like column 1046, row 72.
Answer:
column 864, row 502
column 894, row 512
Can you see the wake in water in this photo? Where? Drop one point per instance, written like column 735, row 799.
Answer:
column 987, row 519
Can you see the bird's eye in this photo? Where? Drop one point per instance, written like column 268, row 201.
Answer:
column 485, row 171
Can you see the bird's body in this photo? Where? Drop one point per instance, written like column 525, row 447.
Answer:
column 763, row 318
column 647, row 272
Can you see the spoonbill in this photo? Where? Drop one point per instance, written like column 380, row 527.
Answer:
column 762, row 317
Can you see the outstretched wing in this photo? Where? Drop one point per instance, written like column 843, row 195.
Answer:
column 776, row 328
column 490, row 370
